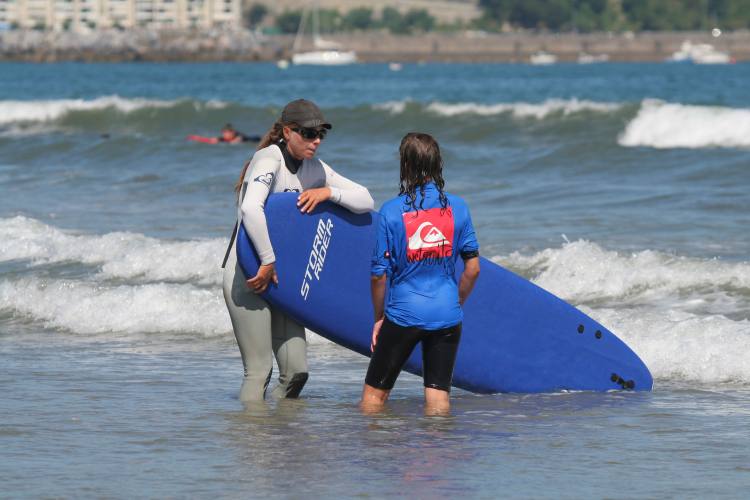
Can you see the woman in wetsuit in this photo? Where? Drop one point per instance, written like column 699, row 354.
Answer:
column 421, row 234
column 285, row 161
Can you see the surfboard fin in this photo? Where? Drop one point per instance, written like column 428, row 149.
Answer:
column 625, row 384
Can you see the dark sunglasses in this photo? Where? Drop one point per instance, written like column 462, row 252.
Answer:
column 311, row 133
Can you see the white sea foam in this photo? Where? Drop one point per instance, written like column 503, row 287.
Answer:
column 393, row 107
column 688, row 318
column 151, row 303
column 660, row 124
column 682, row 346
column 584, row 272
column 538, row 111
column 90, row 308
column 125, row 310
column 50, row 110
column 119, row 255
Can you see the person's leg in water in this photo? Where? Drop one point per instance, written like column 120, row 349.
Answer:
column 373, row 399
column 439, row 349
column 290, row 348
column 393, row 348
column 436, row 401
column 251, row 322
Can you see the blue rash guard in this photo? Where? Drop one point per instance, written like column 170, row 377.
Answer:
column 418, row 250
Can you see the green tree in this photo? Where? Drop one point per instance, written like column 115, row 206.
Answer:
column 612, row 17
column 330, row 20
column 402, row 24
column 393, row 21
column 651, row 15
column 529, row 14
column 288, row 21
column 358, row 19
column 255, row 15
column 551, row 14
column 419, row 20
column 592, row 15
column 731, row 14
column 495, row 12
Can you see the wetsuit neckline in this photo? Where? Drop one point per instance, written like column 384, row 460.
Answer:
column 428, row 187
column 292, row 163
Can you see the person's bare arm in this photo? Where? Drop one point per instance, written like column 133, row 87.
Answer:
column 468, row 278
column 377, row 290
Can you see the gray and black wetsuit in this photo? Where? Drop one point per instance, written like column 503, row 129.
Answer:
column 261, row 330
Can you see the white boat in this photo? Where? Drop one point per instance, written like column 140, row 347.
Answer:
column 541, row 58
column 325, row 57
column 700, row 53
column 585, row 58
column 705, row 53
column 327, row 53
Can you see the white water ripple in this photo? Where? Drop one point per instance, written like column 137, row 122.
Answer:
column 537, row 111
column 119, row 255
column 582, row 271
column 54, row 109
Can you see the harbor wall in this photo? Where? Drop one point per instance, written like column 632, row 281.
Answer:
column 467, row 46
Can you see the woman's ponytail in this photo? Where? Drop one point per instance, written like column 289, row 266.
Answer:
column 273, row 136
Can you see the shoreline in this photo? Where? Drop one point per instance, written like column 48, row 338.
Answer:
column 244, row 46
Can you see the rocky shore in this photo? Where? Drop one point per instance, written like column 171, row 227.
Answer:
column 117, row 46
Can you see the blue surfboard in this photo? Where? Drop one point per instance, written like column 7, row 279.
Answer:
column 516, row 336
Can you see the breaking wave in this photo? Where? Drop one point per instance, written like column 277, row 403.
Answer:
column 51, row 110
column 688, row 318
column 539, row 111
column 662, row 125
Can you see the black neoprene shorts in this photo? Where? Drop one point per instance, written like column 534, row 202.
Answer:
column 396, row 343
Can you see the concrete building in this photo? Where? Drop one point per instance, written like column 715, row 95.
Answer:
column 87, row 15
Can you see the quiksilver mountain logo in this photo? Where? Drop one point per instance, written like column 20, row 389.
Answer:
column 426, row 236
column 429, row 233
column 317, row 257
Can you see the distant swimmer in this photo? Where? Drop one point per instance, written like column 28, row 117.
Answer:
column 228, row 135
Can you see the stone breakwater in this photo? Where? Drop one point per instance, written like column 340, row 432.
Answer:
column 143, row 45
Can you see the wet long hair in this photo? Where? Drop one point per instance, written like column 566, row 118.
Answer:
column 274, row 135
column 420, row 163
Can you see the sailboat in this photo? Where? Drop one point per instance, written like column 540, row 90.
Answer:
column 327, row 53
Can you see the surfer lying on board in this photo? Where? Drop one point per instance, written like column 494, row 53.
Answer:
column 421, row 234
column 228, row 135
column 285, row 161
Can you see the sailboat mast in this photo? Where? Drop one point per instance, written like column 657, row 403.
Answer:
column 316, row 23
column 300, row 30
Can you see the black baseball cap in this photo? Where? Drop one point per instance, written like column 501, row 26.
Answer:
column 305, row 114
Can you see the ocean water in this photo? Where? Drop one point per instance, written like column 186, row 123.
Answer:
column 622, row 188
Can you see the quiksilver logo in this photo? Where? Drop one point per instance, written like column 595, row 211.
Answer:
column 317, row 257
column 432, row 237
column 429, row 234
